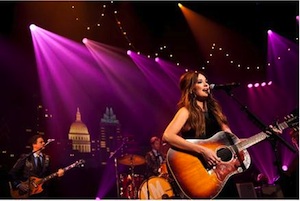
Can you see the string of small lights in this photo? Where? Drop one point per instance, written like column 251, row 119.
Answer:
column 92, row 25
column 123, row 31
column 233, row 62
column 163, row 50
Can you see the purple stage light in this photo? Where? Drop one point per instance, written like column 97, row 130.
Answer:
column 250, row 85
column 129, row 52
column 157, row 59
column 263, row 84
column 256, row 84
column 270, row 31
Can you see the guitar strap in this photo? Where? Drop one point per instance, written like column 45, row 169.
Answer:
column 235, row 150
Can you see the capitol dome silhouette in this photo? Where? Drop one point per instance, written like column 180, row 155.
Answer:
column 79, row 135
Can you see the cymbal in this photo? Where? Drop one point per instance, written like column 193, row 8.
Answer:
column 132, row 159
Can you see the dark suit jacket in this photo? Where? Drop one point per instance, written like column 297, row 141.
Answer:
column 153, row 164
column 25, row 167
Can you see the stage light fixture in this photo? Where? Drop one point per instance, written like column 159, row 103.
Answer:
column 32, row 27
column 84, row 40
column 284, row 168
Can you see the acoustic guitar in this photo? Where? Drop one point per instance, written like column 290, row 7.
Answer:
column 196, row 179
column 35, row 183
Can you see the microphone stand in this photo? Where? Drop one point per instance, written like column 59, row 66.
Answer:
column 147, row 183
column 264, row 128
column 116, row 166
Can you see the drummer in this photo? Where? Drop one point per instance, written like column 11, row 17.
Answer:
column 154, row 158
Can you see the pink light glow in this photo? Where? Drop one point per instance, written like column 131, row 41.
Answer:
column 32, row 27
column 269, row 31
column 263, row 84
column 129, row 52
column 256, row 84
column 284, row 168
column 282, row 73
column 157, row 59
column 85, row 40
column 250, row 85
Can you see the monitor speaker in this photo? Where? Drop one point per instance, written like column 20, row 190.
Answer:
column 271, row 191
column 246, row 190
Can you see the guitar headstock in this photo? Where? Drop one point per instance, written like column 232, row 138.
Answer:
column 292, row 120
column 79, row 163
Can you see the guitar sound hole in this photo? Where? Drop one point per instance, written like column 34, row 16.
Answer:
column 225, row 154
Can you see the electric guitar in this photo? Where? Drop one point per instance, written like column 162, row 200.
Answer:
column 35, row 183
column 196, row 179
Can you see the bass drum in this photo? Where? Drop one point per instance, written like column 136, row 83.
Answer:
column 157, row 187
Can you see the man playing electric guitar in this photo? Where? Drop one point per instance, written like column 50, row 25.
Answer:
column 31, row 165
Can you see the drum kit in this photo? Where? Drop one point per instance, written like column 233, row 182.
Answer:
column 135, row 186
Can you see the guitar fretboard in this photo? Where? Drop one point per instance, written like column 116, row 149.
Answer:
column 258, row 137
column 53, row 175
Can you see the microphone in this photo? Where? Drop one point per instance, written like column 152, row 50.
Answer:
column 224, row 86
column 128, row 139
column 49, row 141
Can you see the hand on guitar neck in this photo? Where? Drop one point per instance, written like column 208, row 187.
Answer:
column 60, row 172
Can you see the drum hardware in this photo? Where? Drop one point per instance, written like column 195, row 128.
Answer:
column 112, row 154
column 147, row 186
column 132, row 160
column 133, row 187
column 130, row 185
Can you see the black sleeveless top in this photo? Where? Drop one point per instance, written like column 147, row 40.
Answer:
column 211, row 127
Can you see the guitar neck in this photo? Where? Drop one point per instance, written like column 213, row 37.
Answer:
column 53, row 175
column 258, row 137
column 252, row 141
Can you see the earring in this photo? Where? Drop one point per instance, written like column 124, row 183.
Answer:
column 193, row 95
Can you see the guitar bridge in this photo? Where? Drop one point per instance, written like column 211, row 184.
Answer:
column 210, row 172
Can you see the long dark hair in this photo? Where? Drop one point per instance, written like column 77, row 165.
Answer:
column 196, row 118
